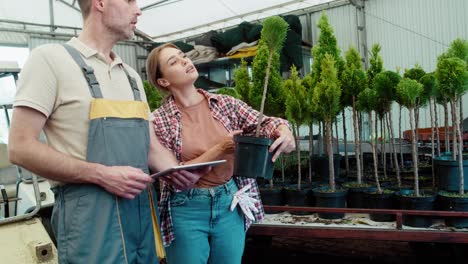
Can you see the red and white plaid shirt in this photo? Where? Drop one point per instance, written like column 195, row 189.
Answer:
column 233, row 114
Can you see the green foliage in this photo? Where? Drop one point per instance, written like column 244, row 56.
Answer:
column 229, row 91
column 274, row 33
column 385, row 85
column 311, row 115
column 153, row 95
column 430, row 84
column 367, row 100
column 275, row 99
column 408, row 91
column 376, row 64
column 353, row 78
column 242, row 82
column 326, row 97
column 452, row 75
column 416, row 74
column 326, row 44
column 296, row 108
column 459, row 49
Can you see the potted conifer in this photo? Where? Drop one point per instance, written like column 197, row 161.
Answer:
column 409, row 91
column 377, row 197
column 353, row 81
column 326, row 43
column 326, row 99
column 452, row 73
column 296, row 112
column 253, row 158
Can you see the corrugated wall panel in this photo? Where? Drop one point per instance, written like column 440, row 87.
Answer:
column 343, row 21
column 415, row 32
column 128, row 54
column 13, row 38
column 126, row 51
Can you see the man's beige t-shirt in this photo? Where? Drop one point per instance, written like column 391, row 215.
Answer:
column 52, row 83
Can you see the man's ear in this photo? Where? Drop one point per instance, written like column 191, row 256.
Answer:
column 163, row 82
column 98, row 4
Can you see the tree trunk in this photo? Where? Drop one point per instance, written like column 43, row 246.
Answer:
column 359, row 142
column 395, row 157
column 321, row 137
column 311, row 149
column 330, row 156
column 345, row 139
column 376, row 140
column 337, row 138
column 384, row 142
column 447, row 139
column 461, row 190
column 374, row 154
column 414, row 153
column 265, row 88
column 356, row 143
column 454, row 132
column 391, row 146
column 436, row 120
column 298, row 150
column 432, row 145
column 461, row 117
column 382, row 147
column 401, row 140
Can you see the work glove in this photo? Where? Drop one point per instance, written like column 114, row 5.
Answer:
column 245, row 201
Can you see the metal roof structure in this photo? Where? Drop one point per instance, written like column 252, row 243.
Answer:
column 161, row 20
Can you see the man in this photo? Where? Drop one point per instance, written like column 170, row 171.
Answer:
column 92, row 108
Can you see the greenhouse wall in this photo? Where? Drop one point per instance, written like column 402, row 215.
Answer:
column 410, row 32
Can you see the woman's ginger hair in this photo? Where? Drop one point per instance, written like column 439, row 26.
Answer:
column 153, row 67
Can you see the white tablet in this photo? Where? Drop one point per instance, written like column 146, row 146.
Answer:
column 188, row 167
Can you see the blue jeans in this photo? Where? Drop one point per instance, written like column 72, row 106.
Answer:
column 205, row 230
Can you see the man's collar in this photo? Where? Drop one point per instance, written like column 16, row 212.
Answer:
column 88, row 52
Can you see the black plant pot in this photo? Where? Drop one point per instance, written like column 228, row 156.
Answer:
column 321, row 168
column 272, row 196
column 324, row 198
column 425, row 203
column 295, row 197
column 386, row 200
column 450, row 203
column 447, row 173
column 253, row 160
column 356, row 197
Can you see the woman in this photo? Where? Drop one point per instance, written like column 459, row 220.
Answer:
column 197, row 224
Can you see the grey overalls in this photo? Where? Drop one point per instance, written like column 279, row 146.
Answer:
column 91, row 224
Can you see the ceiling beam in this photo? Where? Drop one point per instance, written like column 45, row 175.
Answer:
column 230, row 18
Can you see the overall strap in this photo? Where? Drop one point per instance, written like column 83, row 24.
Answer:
column 133, row 84
column 88, row 72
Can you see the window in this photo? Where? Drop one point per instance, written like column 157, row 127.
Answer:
column 16, row 55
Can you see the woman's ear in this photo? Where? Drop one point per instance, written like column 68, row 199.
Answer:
column 163, row 82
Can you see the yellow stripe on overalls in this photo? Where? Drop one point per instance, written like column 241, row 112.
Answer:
column 119, row 109
column 157, row 232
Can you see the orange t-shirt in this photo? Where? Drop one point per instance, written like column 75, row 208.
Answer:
column 200, row 132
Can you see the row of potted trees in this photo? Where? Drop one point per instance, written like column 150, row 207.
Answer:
column 335, row 83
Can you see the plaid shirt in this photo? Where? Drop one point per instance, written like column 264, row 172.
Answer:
column 233, row 114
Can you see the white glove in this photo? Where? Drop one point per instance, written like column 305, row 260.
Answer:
column 245, row 201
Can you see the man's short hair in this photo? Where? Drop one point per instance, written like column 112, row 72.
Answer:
column 85, row 6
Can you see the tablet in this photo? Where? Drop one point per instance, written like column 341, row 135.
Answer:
column 188, row 167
